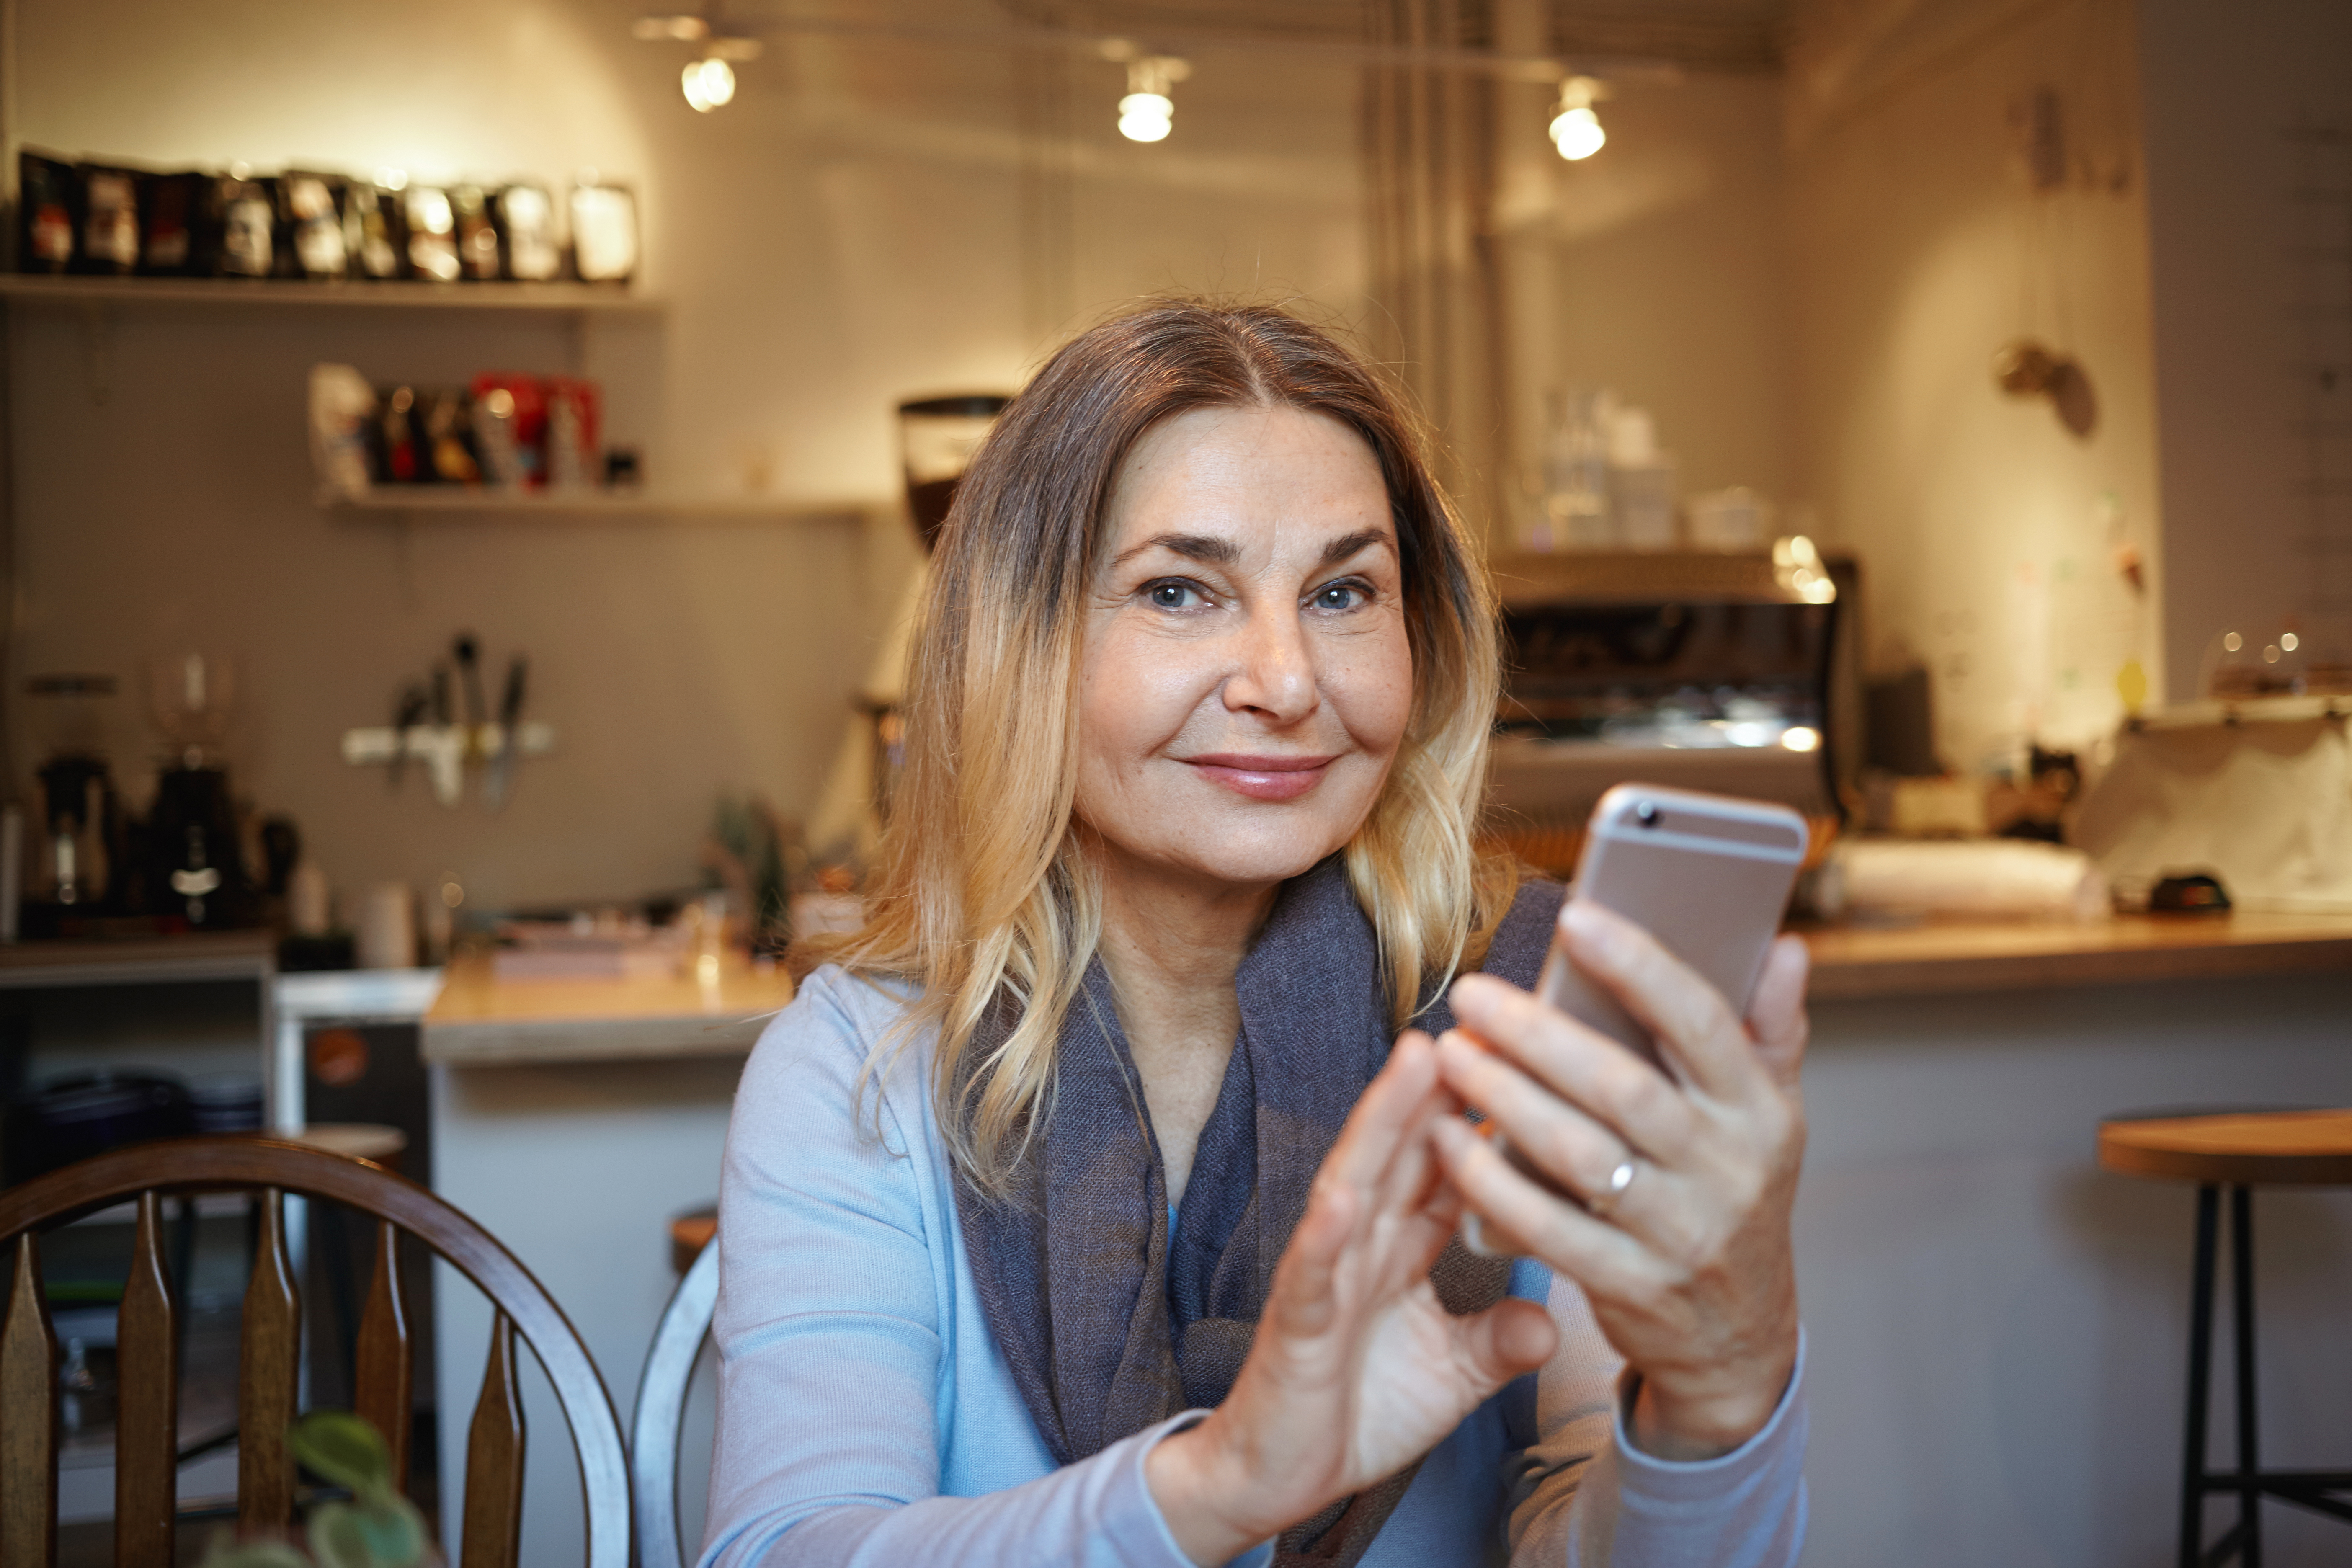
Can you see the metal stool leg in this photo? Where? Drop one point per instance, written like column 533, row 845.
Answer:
column 2242, row 1307
column 2200, row 1381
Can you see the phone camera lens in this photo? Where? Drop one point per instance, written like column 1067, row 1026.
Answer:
column 1647, row 813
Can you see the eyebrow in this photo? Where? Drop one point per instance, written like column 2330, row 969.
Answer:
column 1204, row 547
column 1347, row 544
column 1219, row 551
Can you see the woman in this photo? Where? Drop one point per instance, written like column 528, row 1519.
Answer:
column 1092, row 1207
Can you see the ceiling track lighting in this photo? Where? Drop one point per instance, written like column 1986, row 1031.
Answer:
column 707, row 80
column 1149, row 111
column 1575, row 128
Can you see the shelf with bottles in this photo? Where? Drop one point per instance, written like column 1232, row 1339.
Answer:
column 485, row 502
column 36, row 288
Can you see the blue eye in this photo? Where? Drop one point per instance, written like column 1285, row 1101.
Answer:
column 1338, row 596
column 1172, row 594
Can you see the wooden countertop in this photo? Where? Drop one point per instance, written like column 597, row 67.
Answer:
column 478, row 1020
column 157, row 960
column 1852, row 962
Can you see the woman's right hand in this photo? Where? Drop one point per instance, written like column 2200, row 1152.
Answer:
column 1357, row 1369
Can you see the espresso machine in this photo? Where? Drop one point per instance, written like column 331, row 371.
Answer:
column 1729, row 673
column 195, row 857
column 936, row 439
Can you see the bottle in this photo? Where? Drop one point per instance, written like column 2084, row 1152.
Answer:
column 1576, row 474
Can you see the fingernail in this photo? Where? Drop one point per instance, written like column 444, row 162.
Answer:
column 1468, row 994
column 1589, row 927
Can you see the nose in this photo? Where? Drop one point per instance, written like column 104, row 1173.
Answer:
column 1274, row 673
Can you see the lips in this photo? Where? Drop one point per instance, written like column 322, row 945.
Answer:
column 1274, row 778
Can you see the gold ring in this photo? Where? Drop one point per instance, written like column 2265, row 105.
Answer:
column 1602, row 1202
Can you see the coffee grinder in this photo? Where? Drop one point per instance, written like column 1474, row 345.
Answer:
column 937, row 438
column 77, row 861
column 196, row 861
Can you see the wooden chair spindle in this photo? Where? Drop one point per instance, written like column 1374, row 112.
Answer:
column 28, row 1410
column 494, row 1447
column 265, row 1395
column 386, row 1356
column 151, row 1326
column 147, row 1409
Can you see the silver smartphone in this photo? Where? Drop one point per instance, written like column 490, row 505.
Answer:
column 1707, row 875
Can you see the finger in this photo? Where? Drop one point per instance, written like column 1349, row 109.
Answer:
column 1689, row 1016
column 1775, row 1014
column 1303, row 1301
column 1411, row 1177
column 1508, row 1339
column 1574, row 1060
column 1374, row 1130
column 1605, row 1260
column 1395, row 1222
column 1562, row 1141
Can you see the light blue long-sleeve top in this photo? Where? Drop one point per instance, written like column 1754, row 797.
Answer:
column 866, row 1415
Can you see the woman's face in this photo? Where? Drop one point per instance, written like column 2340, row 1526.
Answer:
column 1246, row 677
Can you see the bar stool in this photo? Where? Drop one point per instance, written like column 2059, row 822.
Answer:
column 690, row 1233
column 2240, row 1150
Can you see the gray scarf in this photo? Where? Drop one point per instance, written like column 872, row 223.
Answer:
column 1108, row 1328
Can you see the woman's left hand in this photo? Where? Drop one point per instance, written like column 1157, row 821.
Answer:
column 1687, row 1265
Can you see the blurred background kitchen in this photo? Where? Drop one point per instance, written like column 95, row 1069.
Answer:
column 466, row 468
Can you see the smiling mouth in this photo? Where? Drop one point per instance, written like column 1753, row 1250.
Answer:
column 1262, row 778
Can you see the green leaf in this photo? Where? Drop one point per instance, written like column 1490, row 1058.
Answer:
column 357, row 1535
column 337, row 1446
column 226, row 1550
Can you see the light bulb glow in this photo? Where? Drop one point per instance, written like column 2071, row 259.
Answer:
column 708, row 84
column 1800, row 737
column 2289, row 641
column 1577, row 133
column 1146, row 116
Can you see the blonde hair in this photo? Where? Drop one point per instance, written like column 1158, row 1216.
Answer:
column 984, row 899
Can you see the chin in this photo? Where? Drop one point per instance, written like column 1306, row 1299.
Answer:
column 1255, row 853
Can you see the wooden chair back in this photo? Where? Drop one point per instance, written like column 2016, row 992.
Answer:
column 661, row 1412
column 146, row 1453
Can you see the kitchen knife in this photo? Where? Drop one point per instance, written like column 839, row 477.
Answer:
column 494, row 788
column 406, row 716
column 469, row 667
column 448, row 757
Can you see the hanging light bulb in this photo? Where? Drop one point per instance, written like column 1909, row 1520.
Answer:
column 1146, row 116
column 1575, row 128
column 1148, row 113
column 708, row 84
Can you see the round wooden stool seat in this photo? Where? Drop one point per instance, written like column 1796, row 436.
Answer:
column 690, row 1233
column 366, row 1139
column 2250, row 1148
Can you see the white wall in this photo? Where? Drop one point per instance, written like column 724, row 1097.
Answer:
column 1988, row 533
column 1670, row 274
column 2251, row 294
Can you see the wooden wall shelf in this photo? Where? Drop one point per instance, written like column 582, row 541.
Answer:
column 33, row 288
column 467, row 501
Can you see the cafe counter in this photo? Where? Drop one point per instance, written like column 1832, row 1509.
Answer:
column 1996, row 1327
column 1998, row 1330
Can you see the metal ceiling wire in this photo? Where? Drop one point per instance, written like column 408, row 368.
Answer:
column 1734, row 36
column 1291, row 21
